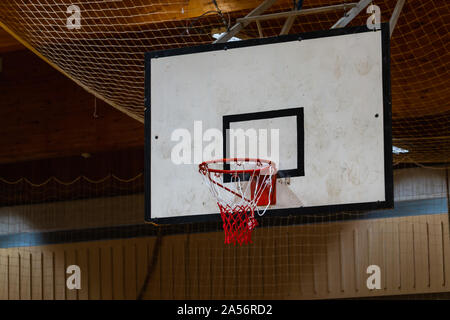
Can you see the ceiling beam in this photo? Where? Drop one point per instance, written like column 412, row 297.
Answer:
column 349, row 16
column 296, row 13
column 196, row 8
column 394, row 18
column 287, row 25
column 260, row 30
column 240, row 25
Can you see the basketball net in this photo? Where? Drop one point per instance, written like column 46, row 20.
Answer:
column 239, row 190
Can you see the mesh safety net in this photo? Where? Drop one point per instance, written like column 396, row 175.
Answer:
column 106, row 54
column 96, row 222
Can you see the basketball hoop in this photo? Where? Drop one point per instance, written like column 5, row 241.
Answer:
column 240, row 185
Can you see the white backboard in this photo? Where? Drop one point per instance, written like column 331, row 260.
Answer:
column 324, row 96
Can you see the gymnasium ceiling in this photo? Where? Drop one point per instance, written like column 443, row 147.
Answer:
column 123, row 31
column 8, row 43
column 45, row 115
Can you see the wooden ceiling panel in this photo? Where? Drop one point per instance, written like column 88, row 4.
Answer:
column 8, row 43
column 44, row 115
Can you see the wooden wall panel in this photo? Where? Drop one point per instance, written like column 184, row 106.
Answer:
column 319, row 266
column 216, row 267
column 95, row 280
column 60, row 272
column 256, row 266
column 307, row 279
column 14, row 275
column 154, row 290
column 166, row 270
column 297, row 262
column 25, row 275
column 82, row 255
column 333, row 259
column 130, row 271
column 407, row 265
column 36, row 275
column 106, row 272
column 392, row 256
column 348, row 260
column 118, row 272
column 179, row 267
column 4, row 274
column 421, row 256
column 445, row 251
column 193, row 261
column 436, row 274
column 280, row 245
column 48, row 274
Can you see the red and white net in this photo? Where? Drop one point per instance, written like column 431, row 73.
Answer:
column 240, row 186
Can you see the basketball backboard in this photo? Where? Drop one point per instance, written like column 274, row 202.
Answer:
column 318, row 104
